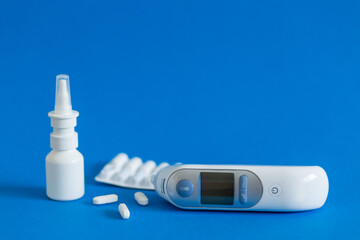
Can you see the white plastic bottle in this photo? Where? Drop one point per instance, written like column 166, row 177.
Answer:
column 64, row 164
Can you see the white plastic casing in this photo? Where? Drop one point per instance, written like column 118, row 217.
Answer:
column 64, row 164
column 284, row 188
column 65, row 175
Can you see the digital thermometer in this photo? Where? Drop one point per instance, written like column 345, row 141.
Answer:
column 243, row 188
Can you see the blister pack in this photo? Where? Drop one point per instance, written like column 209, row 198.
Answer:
column 131, row 173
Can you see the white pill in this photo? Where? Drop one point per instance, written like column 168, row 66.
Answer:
column 105, row 199
column 124, row 211
column 141, row 198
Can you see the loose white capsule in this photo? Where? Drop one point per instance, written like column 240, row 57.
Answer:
column 124, row 211
column 105, row 199
column 141, row 198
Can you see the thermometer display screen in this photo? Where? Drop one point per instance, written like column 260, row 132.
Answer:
column 217, row 188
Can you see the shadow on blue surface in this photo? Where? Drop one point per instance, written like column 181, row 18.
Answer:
column 114, row 214
column 17, row 191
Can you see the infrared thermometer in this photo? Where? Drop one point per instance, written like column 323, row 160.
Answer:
column 243, row 188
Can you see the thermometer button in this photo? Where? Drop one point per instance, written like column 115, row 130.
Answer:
column 243, row 189
column 274, row 190
column 185, row 188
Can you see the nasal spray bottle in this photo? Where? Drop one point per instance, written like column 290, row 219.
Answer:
column 64, row 164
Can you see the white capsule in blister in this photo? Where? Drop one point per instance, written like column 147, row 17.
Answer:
column 124, row 211
column 120, row 159
column 111, row 198
column 161, row 166
column 128, row 170
column 141, row 198
column 117, row 163
column 134, row 164
column 144, row 171
column 107, row 171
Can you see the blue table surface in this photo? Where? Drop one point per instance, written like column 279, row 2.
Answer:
column 235, row 82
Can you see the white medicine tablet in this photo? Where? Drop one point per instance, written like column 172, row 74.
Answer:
column 111, row 198
column 124, row 211
column 141, row 198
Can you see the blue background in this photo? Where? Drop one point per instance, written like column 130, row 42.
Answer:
column 241, row 82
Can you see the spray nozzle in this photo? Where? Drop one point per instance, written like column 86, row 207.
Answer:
column 62, row 97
